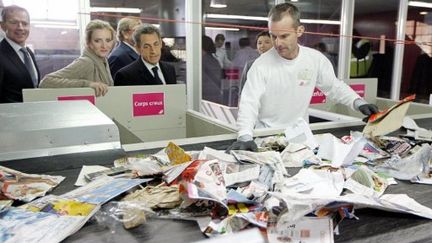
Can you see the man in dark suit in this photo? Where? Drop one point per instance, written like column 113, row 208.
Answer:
column 124, row 53
column 2, row 33
column 18, row 69
column 147, row 70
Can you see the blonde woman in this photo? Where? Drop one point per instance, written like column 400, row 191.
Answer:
column 91, row 69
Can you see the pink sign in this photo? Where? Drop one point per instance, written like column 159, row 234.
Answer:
column 359, row 89
column 232, row 73
column 149, row 104
column 90, row 98
column 318, row 96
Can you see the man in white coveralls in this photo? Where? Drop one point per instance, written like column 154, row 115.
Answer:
column 281, row 81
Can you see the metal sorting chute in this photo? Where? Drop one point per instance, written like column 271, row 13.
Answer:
column 37, row 129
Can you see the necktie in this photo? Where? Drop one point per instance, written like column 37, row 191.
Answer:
column 29, row 66
column 156, row 75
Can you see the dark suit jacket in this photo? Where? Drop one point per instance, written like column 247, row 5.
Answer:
column 121, row 56
column 137, row 73
column 13, row 74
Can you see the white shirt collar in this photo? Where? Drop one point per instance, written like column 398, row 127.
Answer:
column 150, row 66
column 14, row 45
column 132, row 47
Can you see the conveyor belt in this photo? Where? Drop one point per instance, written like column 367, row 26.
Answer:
column 373, row 226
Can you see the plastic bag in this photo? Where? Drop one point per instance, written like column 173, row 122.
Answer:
column 130, row 214
column 408, row 167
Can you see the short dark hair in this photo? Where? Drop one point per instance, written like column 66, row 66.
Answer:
column 321, row 46
column 145, row 29
column 219, row 37
column 262, row 33
column 12, row 8
column 243, row 42
column 280, row 10
column 208, row 45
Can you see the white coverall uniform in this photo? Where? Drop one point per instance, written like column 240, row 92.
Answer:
column 278, row 91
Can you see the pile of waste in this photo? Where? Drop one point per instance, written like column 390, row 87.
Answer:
column 297, row 186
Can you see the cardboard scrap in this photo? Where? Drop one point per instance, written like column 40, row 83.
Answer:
column 176, row 154
column 389, row 120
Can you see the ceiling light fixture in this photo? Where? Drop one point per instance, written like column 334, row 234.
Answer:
column 48, row 22
column 420, row 4
column 228, row 16
column 423, row 13
column 218, row 4
column 244, row 17
column 56, row 26
column 222, row 28
column 116, row 10
column 320, row 21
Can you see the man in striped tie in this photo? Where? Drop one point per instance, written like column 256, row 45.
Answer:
column 18, row 68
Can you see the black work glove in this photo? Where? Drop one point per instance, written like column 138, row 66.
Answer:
column 243, row 145
column 368, row 110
